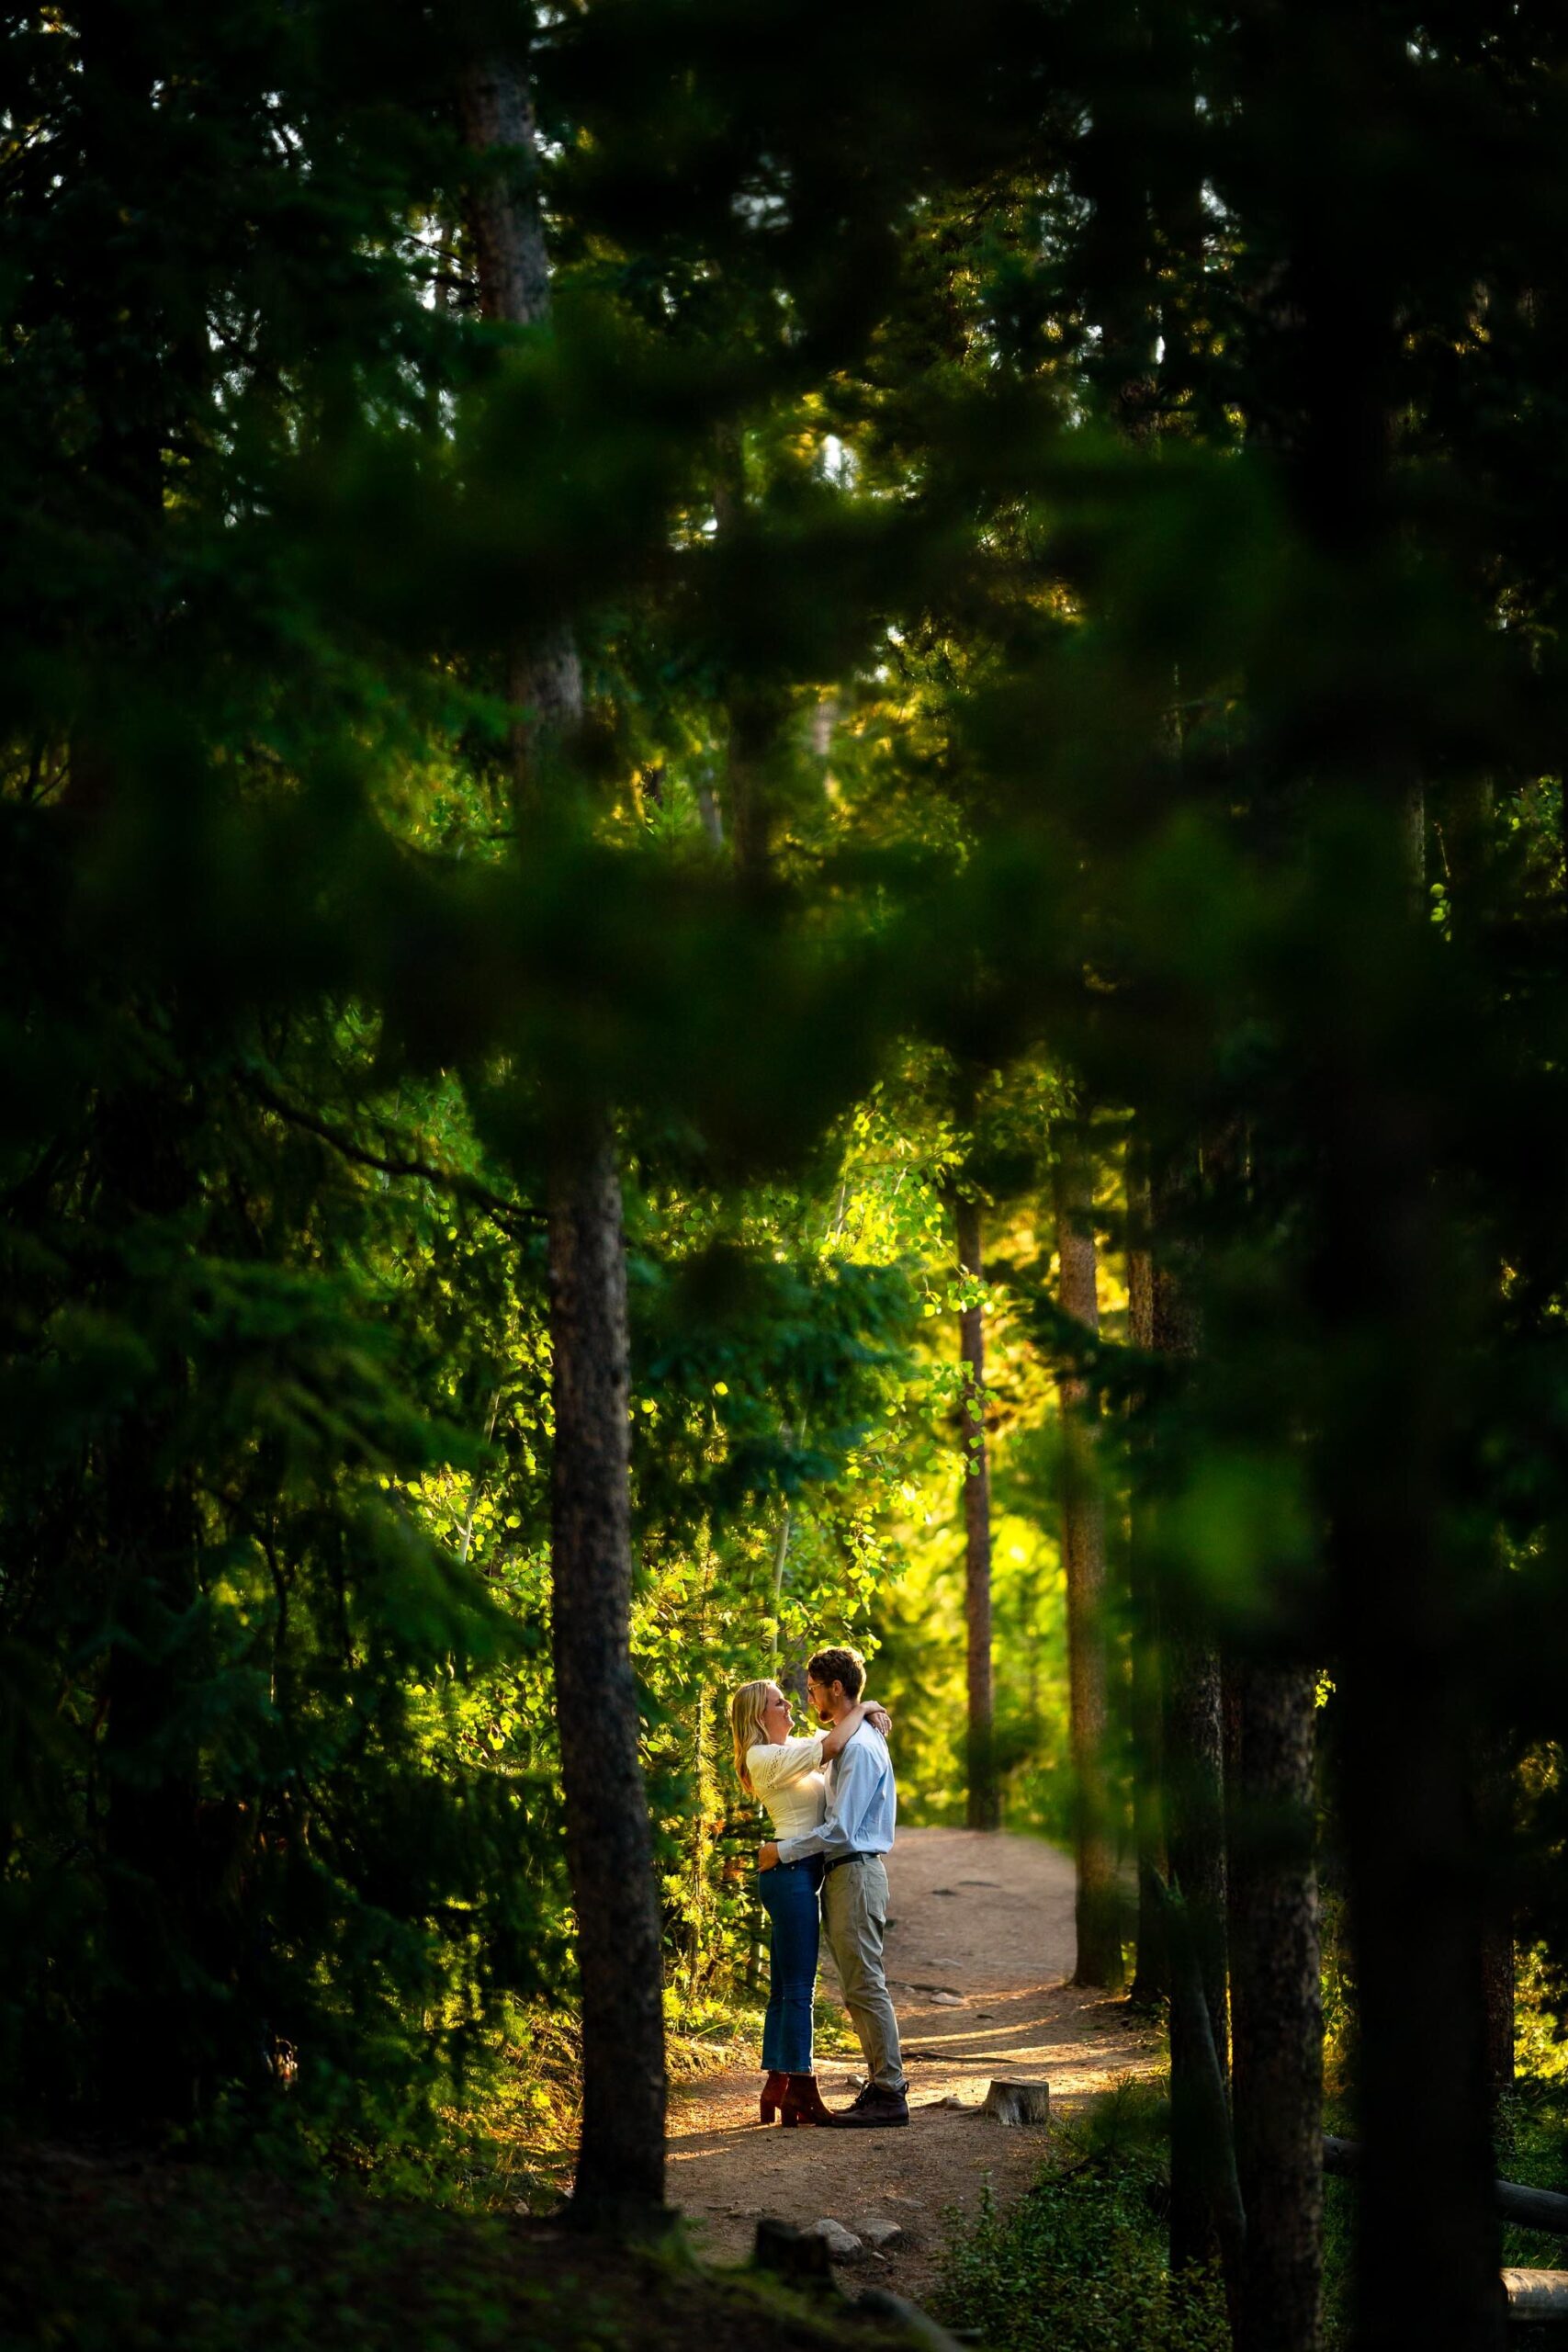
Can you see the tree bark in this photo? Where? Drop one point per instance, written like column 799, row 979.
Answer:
column 984, row 1808
column 620, row 2166
column 1083, row 1552
column 1410, row 1756
column 1388, row 1315
column 1276, row 2006
column 1408, row 1750
column 1195, row 1749
column 1210, row 2148
column 1467, row 833
column 1497, row 1974
column 155, row 2030
column 1150, row 1981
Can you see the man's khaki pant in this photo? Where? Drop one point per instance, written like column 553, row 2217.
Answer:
column 855, row 1916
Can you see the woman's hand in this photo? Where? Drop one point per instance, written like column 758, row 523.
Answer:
column 837, row 1737
column 768, row 1856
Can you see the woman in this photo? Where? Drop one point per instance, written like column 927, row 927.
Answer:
column 785, row 1772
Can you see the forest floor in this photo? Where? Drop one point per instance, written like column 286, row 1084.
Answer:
column 980, row 1946
column 121, row 2254
column 101, row 2254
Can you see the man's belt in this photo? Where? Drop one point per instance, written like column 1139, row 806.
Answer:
column 839, row 1859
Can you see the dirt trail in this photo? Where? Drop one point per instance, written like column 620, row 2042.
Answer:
column 979, row 1948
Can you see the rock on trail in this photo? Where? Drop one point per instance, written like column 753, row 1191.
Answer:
column 979, row 1949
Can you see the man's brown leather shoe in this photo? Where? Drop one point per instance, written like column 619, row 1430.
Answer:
column 874, row 2110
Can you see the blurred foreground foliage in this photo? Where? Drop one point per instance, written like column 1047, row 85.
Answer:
column 1068, row 563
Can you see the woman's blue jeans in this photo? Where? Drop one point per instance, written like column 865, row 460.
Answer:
column 789, row 1897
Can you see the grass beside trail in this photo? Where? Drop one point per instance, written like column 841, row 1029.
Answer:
column 109, row 2256
column 1079, row 2264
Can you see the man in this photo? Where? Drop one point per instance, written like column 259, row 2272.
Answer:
column 856, row 1833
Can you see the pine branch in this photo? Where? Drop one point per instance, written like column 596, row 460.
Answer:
column 450, row 1180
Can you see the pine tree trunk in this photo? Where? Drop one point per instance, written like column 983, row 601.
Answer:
column 1194, row 1783
column 984, row 1808
column 1497, row 1976
column 1410, row 1838
column 1150, row 1980
column 153, row 2028
column 1429, row 2266
column 620, row 2167
column 1468, row 830
column 1083, row 1552
column 1193, row 1749
column 620, row 2163
column 1276, row 2006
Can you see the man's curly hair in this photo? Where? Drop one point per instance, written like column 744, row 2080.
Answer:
column 847, row 1666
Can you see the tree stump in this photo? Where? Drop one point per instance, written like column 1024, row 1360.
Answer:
column 790, row 2253
column 1017, row 2103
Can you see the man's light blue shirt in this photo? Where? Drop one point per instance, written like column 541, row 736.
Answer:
column 863, row 1804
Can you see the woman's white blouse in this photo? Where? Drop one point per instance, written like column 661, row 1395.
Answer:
column 788, row 1776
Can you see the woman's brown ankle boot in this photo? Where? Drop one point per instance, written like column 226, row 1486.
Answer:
column 803, row 2100
column 775, row 2091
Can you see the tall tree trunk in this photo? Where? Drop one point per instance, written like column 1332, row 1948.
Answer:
column 1193, row 1771
column 1427, row 2267
column 1195, row 1837
column 1408, row 1740
column 756, row 714
column 620, row 2167
column 1276, row 2006
column 1466, row 834
column 1415, row 1875
column 1276, row 1999
column 1497, row 1976
column 984, row 1808
column 1410, row 1754
column 1150, row 1981
column 157, row 2029
column 1083, row 1550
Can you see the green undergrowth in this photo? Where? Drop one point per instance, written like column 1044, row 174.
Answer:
column 1079, row 2264
column 104, row 2255
column 1532, row 2147
column 503, row 2139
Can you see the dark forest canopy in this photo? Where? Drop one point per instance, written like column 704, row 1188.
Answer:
column 1058, row 515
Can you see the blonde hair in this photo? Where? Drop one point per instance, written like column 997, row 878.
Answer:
column 746, row 1722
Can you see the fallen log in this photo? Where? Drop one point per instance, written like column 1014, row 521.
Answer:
column 1531, row 2209
column 1535, row 2297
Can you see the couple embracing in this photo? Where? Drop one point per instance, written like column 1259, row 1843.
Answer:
column 833, row 1802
